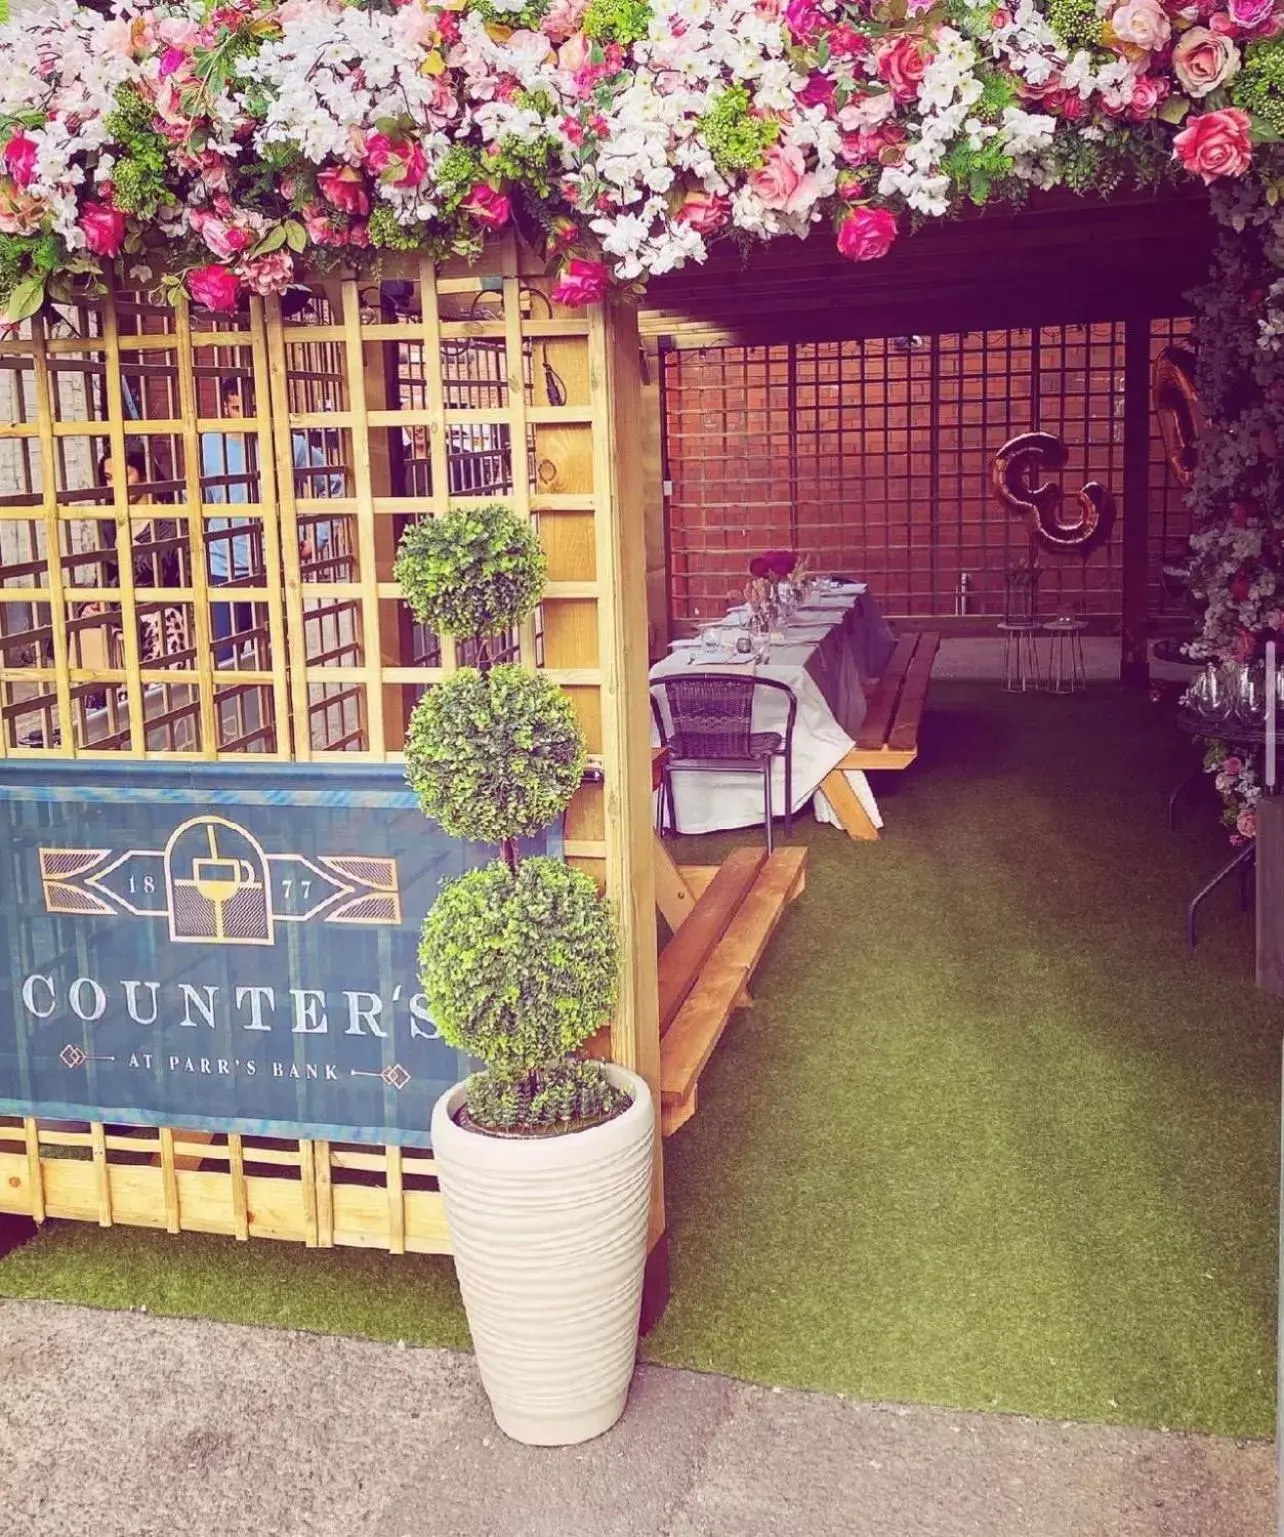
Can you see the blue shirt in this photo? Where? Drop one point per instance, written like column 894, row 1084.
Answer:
column 223, row 456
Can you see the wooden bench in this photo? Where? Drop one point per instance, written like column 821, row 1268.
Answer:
column 706, row 967
column 888, row 736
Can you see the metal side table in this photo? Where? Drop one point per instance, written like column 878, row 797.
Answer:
column 1021, row 670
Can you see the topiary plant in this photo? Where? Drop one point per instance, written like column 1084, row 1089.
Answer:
column 519, row 968
column 472, row 572
column 494, row 755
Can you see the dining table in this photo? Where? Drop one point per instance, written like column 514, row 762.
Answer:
column 829, row 652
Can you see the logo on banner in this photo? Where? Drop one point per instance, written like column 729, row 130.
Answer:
column 214, row 884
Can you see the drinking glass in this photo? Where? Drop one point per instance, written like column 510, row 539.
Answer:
column 711, row 640
column 744, row 644
column 1250, row 695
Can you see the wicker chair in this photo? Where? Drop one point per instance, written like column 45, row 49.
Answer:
column 712, row 732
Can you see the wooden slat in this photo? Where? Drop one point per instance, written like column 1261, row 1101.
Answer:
column 120, row 503
column 909, row 712
column 236, row 1170
column 678, row 1112
column 325, row 1195
column 689, row 1041
column 102, row 1177
column 882, row 701
column 53, row 562
column 169, row 1180
column 308, row 1190
column 689, row 949
column 276, row 568
column 396, row 1203
column 35, row 1177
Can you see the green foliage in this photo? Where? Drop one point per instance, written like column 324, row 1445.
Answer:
column 139, row 177
column 456, row 173
column 494, row 755
column 388, row 234
column 1075, row 22
column 475, row 571
column 619, row 21
column 519, row 968
column 975, row 171
column 737, row 140
column 997, row 92
column 548, row 1097
column 524, row 163
column 528, row 18
column 975, row 21
column 1259, row 86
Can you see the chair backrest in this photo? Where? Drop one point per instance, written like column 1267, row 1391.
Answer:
column 712, row 714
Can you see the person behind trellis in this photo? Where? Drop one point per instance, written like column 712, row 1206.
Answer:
column 228, row 460
column 155, row 562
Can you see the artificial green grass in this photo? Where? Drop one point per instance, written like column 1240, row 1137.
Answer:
column 989, row 1138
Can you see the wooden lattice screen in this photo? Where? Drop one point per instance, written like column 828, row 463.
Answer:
column 238, row 603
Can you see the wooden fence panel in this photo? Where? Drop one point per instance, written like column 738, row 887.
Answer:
column 234, row 598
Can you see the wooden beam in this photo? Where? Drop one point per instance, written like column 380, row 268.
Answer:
column 1135, row 540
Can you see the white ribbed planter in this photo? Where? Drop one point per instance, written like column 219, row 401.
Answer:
column 549, row 1238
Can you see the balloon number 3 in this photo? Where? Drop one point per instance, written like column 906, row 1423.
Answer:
column 1177, row 407
column 1015, row 473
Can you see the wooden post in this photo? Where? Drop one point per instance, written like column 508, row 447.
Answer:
column 653, row 499
column 1270, row 894
column 626, row 724
column 1134, row 665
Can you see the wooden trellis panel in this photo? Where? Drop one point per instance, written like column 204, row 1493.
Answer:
column 239, row 603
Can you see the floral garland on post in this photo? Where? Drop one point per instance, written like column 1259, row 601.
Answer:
column 1237, row 497
column 225, row 146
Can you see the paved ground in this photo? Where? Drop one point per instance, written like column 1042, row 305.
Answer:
column 122, row 1425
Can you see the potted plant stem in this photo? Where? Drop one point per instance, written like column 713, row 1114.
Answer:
column 544, row 1158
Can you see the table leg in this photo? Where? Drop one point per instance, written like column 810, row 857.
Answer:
column 673, row 896
column 1235, row 866
column 847, row 807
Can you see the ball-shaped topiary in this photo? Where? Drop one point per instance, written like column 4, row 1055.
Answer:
column 519, row 968
column 474, row 571
column 494, row 755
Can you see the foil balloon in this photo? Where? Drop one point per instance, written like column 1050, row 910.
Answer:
column 1015, row 478
column 1177, row 406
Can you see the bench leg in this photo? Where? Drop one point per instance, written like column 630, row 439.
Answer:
column 847, row 807
column 673, row 896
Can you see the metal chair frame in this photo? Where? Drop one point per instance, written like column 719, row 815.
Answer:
column 739, row 718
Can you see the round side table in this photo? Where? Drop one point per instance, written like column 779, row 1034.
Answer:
column 1020, row 655
column 1067, row 671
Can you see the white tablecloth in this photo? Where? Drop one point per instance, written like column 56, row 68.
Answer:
column 828, row 656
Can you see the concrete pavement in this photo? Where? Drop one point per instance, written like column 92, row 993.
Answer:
column 125, row 1425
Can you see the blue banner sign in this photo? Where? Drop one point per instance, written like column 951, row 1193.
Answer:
column 222, row 947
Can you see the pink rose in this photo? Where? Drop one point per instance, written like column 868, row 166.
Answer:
column 1142, row 23
column 782, row 182
column 581, row 282
column 103, row 228
column 20, row 159
column 395, row 162
column 224, row 240
column 345, row 187
column 1215, row 144
column 491, row 209
column 1147, row 93
column 1246, row 823
column 270, row 274
column 1250, row 14
column 818, row 92
column 573, row 54
column 866, row 234
column 214, row 288
column 804, row 20
column 562, row 234
column 1202, row 61
column 20, row 213
column 171, row 61
column 901, row 64
column 562, row 19
column 705, row 212
column 1232, row 766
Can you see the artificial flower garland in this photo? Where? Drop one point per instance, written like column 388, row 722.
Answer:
column 225, row 147
column 228, row 149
